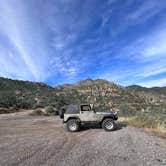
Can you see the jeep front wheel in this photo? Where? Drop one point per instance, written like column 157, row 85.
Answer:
column 72, row 125
column 108, row 124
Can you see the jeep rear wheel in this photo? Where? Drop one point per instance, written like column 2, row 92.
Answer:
column 72, row 125
column 108, row 124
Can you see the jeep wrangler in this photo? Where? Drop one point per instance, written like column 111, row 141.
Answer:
column 76, row 115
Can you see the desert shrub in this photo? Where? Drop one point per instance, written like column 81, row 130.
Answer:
column 24, row 104
column 37, row 111
column 143, row 120
column 49, row 110
column 7, row 99
column 37, row 105
column 125, row 110
column 155, row 121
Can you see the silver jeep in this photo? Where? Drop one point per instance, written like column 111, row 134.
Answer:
column 76, row 115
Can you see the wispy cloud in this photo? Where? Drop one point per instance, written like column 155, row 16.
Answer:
column 53, row 41
column 154, row 83
column 156, row 44
column 31, row 39
column 21, row 36
column 151, row 70
column 145, row 11
column 141, row 59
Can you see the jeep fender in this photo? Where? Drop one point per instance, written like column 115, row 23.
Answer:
column 105, row 117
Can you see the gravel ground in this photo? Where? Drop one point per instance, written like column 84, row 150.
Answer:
column 38, row 140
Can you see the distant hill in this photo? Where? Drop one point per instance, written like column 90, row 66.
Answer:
column 153, row 90
column 104, row 94
column 23, row 94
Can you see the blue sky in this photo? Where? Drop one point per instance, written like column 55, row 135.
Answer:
column 64, row 41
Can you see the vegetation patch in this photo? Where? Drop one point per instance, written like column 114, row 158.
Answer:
column 49, row 110
column 37, row 111
column 154, row 122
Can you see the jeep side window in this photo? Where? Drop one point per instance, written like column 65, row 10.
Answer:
column 85, row 108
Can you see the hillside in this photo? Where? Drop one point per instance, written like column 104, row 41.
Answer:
column 155, row 96
column 24, row 94
column 158, row 91
column 104, row 94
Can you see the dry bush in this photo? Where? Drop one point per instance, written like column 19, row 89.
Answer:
column 147, row 122
column 49, row 110
column 37, row 111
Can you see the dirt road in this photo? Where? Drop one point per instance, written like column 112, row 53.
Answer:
column 38, row 140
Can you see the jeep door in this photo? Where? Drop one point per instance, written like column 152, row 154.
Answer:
column 86, row 114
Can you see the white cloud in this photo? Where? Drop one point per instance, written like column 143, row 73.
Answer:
column 57, row 39
column 151, row 70
column 149, row 46
column 27, row 33
column 156, row 44
column 120, row 76
column 21, row 35
column 154, row 83
column 148, row 52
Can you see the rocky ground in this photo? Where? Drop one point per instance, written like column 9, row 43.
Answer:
column 40, row 140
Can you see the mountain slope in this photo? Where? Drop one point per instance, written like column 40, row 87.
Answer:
column 23, row 94
column 104, row 94
column 154, row 90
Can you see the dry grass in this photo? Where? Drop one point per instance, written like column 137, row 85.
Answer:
column 37, row 111
column 149, row 125
column 42, row 111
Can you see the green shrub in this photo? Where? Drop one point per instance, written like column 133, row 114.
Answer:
column 49, row 110
column 7, row 99
column 37, row 105
column 126, row 110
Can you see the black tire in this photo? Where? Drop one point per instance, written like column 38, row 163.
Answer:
column 72, row 125
column 108, row 124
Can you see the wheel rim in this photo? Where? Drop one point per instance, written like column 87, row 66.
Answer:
column 73, row 126
column 109, row 125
